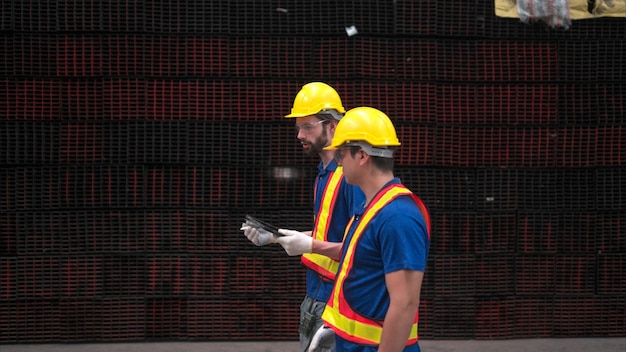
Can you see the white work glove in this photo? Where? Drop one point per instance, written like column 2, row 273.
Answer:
column 295, row 242
column 259, row 237
column 323, row 340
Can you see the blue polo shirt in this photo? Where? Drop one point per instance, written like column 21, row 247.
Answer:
column 395, row 239
column 349, row 199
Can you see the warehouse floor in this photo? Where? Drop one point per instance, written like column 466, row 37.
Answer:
column 520, row 345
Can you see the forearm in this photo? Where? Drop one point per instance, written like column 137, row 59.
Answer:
column 329, row 249
column 397, row 327
column 404, row 288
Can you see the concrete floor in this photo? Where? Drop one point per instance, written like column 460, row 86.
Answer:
column 522, row 345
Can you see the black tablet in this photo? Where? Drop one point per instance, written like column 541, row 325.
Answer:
column 263, row 225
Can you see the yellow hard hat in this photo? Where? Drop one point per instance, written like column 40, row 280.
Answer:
column 317, row 97
column 365, row 124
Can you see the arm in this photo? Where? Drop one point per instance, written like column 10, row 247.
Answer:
column 297, row 243
column 404, row 287
column 329, row 249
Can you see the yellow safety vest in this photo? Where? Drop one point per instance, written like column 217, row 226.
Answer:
column 338, row 314
column 323, row 265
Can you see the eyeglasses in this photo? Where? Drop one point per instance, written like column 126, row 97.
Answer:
column 308, row 127
column 340, row 152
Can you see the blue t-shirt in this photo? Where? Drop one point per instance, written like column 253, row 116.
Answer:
column 349, row 199
column 395, row 239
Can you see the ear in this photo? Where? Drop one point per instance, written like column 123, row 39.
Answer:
column 332, row 125
column 362, row 156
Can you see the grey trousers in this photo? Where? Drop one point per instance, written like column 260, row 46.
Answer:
column 316, row 308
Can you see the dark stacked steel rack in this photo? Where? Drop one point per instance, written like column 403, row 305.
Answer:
column 134, row 136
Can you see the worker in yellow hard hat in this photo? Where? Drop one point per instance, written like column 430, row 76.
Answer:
column 374, row 302
column 316, row 111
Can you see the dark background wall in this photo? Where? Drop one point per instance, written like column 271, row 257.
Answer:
column 135, row 135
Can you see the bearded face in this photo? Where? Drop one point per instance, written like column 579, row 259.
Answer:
column 313, row 134
column 313, row 145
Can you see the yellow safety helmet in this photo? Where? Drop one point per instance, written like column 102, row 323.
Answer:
column 369, row 125
column 317, row 97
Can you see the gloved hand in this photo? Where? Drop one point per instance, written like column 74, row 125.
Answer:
column 295, row 242
column 323, row 340
column 259, row 237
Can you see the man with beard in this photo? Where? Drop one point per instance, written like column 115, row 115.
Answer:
column 317, row 109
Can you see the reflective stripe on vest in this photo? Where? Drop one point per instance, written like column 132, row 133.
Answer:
column 338, row 314
column 323, row 265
